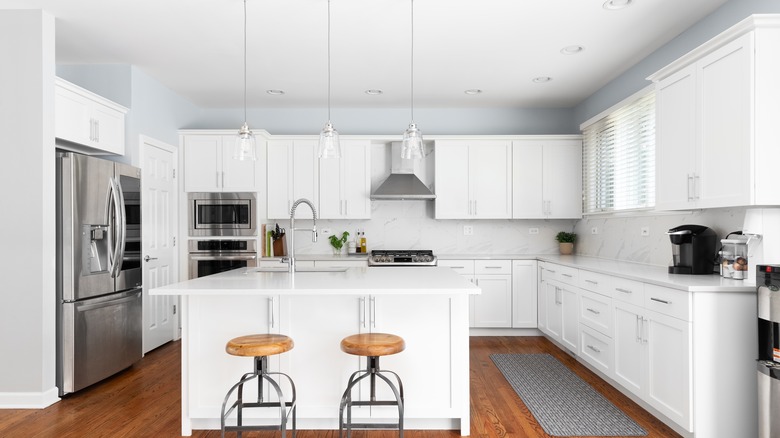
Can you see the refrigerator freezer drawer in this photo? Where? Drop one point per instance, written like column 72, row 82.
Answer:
column 99, row 338
column 768, row 401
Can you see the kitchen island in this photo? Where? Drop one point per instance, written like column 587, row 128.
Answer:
column 427, row 306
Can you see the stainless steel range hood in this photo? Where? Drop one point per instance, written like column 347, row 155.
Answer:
column 402, row 184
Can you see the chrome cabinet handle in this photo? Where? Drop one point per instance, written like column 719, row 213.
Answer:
column 567, row 275
column 372, row 308
column 594, row 349
column 645, row 330
column 625, row 291
column 638, row 330
column 362, row 311
column 591, row 282
column 696, row 188
column 594, row 311
column 492, row 267
column 660, row 300
column 690, row 182
column 147, row 258
column 271, row 312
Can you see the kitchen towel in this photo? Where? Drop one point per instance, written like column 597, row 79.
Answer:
column 562, row 403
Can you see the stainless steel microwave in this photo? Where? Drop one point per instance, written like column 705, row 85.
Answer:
column 222, row 214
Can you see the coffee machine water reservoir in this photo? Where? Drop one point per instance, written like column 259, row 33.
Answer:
column 693, row 249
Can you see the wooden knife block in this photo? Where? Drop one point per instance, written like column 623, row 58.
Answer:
column 280, row 246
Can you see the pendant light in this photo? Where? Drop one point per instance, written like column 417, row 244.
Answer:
column 329, row 137
column 412, row 145
column 245, row 142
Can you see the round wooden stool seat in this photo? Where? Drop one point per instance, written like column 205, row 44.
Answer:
column 259, row 345
column 373, row 344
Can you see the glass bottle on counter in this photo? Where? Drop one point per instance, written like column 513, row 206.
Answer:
column 363, row 248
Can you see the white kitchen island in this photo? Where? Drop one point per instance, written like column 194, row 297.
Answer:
column 427, row 306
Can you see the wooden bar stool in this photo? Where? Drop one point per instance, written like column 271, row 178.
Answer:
column 372, row 345
column 259, row 347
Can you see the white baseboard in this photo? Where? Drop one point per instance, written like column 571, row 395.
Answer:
column 504, row 332
column 28, row 400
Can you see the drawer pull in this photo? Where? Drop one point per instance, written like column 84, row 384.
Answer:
column 457, row 267
column 594, row 311
column 551, row 271
column 594, row 349
column 625, row 291
column 567, row 275
column 492, row 267
column 591, row 282
column 660, row 300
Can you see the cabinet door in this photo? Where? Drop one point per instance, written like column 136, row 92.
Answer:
column 541, row 300
column 676, row 137
column 490, row 179
column 202, row 163
column 240, row 175
column 305, row 176
column 279, row 169
column 527, row 180
column 628, row 348
column 562, row 187
column 345, row 184
column 524, row 284
column 452, row 180
column 553, row 307
column 725, row 79
column 493, row 307
column 668, row 343
column 330, row 186
column 72, row 120
column 570, row 317
column 109, row 129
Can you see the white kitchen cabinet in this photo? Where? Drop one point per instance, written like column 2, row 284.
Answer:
column 209, row 165
column 544, row 276
column 84, row 118
column 715, row 121
column 473, row 179
column 524, row 284
column 345, row 183
column 493, row 307
column 293, row 173
column 547, row 179
column 561, row 297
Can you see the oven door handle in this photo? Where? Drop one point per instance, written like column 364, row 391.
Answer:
column 222, row 257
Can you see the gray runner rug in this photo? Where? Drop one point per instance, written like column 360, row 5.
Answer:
column 562, row 403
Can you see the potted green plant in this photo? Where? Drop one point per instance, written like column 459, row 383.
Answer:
column 566, row 242
column 338, row 242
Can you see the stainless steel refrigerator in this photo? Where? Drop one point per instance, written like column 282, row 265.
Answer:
column 99, row 312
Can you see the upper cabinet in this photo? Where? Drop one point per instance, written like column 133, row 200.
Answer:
column 345, row 183
column 209, row 165
column 716, row 111
column 82, row 118
column 293, row 173
column 547, row 179
column 473, row 179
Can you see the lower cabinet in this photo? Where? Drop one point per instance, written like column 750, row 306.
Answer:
column 524, row 304
column 562, row 308
column 493, row 307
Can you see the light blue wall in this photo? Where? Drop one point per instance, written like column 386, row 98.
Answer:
column 634, row 79
column 111, row 81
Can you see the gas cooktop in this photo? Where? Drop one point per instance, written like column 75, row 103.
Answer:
column 394, row 257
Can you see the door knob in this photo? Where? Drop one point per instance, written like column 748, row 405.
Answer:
column 147, row 258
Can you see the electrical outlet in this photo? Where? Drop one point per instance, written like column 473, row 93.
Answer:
column 594, row 230
column 468, row 230
column 533, row 231
column 326, row 231
column 644, row 231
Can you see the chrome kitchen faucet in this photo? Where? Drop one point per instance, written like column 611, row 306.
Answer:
column 313, row 229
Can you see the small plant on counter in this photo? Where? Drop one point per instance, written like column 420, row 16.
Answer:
column 338, row 242
column 564, row 237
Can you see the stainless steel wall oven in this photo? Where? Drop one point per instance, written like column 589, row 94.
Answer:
column 222, row 214
column 212, row 256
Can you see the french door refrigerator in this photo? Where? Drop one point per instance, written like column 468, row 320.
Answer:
column 99, row 313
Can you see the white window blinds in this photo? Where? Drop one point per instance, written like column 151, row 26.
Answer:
column 618, row 159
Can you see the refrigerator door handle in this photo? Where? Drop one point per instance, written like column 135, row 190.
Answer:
column 116, row 226
column 120, row 209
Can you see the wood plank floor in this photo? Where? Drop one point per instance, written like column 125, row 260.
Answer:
column 144, row 401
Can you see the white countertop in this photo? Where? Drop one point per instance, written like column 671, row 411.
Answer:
column 393, row 280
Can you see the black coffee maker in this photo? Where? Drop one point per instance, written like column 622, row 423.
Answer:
column 693, row 249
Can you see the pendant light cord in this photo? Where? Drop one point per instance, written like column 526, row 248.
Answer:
column 244, row 61
column 412, row 65
column 328, row 61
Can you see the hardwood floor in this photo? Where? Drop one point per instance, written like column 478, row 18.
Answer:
column 144, row 401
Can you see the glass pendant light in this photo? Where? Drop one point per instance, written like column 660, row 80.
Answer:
column 245, row 142
column 329, row 137
column 412, row 145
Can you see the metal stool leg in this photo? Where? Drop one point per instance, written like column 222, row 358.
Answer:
column 372, row 371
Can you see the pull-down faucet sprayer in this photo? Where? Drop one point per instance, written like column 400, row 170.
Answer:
column 313, row 229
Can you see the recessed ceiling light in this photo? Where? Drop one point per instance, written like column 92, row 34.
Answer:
column 616, row 4
column 473, row 91
column 572, row 50
column 275, row 92
column 541, row 79
column 374, row 92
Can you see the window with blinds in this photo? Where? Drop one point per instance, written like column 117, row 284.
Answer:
column 618, row 159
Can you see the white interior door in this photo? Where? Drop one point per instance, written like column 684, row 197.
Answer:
column 158, row 205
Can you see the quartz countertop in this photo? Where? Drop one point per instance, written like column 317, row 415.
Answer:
column 395, row 280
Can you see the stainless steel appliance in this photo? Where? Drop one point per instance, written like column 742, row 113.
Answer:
column 99, row 313
column 409, row 257
column 768, row 282
column 222, row 214
column 693, row 249
column 214, row 255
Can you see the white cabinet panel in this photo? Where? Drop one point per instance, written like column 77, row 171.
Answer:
column 83, row 118
column 547, row 179
column 345, row 183
column 668, row 366
column 493, row 307
column 596, row 349
column 293, row 173
column 209, row 165
column 524, row 284
column 630, row 366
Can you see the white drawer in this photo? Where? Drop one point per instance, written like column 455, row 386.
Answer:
column 546, row 271
column 629, row 291
column 274, row 263
column 567, row 275
column 463, row 267
column 672, row 302
column 489, row 267
column 595, row 282
column 341, row 263
column 596, row 312
column 596, row 349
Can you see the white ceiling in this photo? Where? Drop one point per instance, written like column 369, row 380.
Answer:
column 194, row 47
